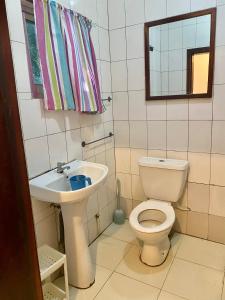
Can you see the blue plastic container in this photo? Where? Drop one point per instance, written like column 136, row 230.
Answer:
column 79, row 182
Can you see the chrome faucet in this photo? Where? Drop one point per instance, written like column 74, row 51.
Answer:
column 60, row 169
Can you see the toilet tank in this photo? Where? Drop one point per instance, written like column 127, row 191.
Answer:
column 163, row 179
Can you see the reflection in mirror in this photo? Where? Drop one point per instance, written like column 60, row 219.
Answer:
column 180, row 54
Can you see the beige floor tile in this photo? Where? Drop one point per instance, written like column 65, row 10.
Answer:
column 166, row 296
column 193, row 281
column 202, row 252
column 101, row 277
column 223, row 295
column 120, row 287
column 108, row 252
column 121, row 232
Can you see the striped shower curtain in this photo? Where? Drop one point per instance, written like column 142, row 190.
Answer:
column 67, row 57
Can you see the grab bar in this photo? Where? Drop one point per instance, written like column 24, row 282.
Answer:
column 83, row 144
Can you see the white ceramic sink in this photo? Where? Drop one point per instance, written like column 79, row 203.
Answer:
column 55, row 187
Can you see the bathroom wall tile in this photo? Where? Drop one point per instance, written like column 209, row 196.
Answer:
column 32, row 118
column 199, row 167
column 137, row 189
column 135, row 41
column 20, row 67
column 219, row 102
column 110, row 160
column 106, row 77
column 217, row 203
column 125, row 181
column 218, row 143
column 57, row 148
column 102, row 12
column 137, row 99
column 177, row 155
column 177, row 110
column 177, row 135
column 220, row 32
column 197, row 224
column 220, row 2
column 198, row 197
column 216, row 229
column 102, row 196
column 104, row 44
column 135, row 74
column 217, row 169
column 122, row 133
column 157, row 153
column 180, row 224
column 176, row 7
column 200, row 109
column 122, row 160
column 155, row 10
column 126, row 205
column 134, row 12
column 54, row 121
column 120, row 106
column 138, row 134
column 156, row 135
column 116, row 10
column 118, row 37
column 35, row 148
column 15, row 21
column 219, row 76
column 202, row 4
column 156, row 110
column 200, row 136
column 136, row 154
column 73, row 141
column 95, row 41
column 72, row 120
column 119, row 76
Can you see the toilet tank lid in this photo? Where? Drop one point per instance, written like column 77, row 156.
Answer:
column 163, row 163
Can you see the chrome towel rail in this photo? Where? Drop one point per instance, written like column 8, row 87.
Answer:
column 83, row 144
column 109, row 99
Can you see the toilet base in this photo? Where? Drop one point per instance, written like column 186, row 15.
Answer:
column 155, row 254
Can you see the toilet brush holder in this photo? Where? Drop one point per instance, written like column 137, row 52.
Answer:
column 119, row 215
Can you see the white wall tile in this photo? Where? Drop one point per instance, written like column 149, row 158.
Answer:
column 217, row 203
column 135, row 11
column 219, row 102
column 156, row 110
column 125, row 181
column 135, row 41
column 20, row 67
column 136, row 74
column 177, row 7
column 202, row 4
column 72, row 120
column 155, row 10
column 122, row 133
column 200, row 136
column 54, row 121
column 177, row 135
column 156, row 135
column 217, row 169
column 106, row 77
column 137, row 189
column 15, row 20
column 218, row 141
column 219, row 76
column 137, row 105
column 73, row 140
column 122, row 160
column 32, row 118
column 136, row 154
column 120, row 106
column 34, row 150
column 220, row 25
column 118, row 37
column 104, row 44
column 102, row 11
column 116, row 9
column 177, row 109
column 138, row 134
column 119, row 76
column 57, row 149
column 199, row 167
column 200, row 109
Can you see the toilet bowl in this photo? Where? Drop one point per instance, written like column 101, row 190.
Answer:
column 152, row 221
column 163, row 183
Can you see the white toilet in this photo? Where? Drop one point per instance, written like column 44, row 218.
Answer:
column 163, row 182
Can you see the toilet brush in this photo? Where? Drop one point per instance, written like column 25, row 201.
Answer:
column 118, row 216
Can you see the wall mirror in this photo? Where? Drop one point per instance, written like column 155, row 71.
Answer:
column 179, row 56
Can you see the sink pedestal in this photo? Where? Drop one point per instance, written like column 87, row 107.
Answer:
column 80, row 267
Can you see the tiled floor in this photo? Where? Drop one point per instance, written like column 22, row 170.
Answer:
column 194, row 270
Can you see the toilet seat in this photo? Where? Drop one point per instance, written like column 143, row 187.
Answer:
column 165, row 208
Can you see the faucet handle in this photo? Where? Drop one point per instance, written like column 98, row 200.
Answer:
column 60, row 164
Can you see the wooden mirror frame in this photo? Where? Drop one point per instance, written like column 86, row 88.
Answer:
column 210, row 11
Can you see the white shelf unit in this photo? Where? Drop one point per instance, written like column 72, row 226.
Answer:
column 50, row 260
